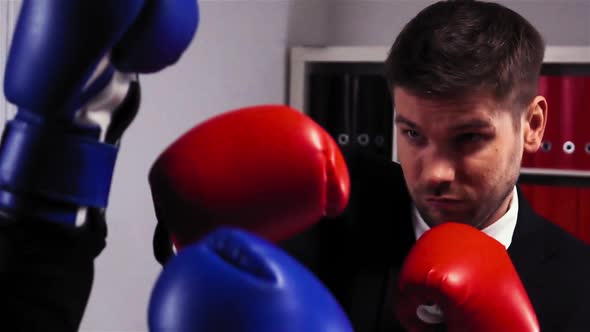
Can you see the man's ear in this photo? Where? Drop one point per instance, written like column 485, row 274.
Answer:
column 533, row 124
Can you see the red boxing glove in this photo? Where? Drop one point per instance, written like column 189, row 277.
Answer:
column 470, row 276
column 268, row 169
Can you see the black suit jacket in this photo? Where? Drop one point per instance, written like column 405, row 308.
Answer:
column 358, row 255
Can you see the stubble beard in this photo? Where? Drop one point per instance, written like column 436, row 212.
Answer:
column 484, row 211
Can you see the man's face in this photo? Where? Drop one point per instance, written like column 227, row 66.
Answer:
column 460, row 159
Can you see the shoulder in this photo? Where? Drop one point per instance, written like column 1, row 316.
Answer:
column 566, row 261
column 564, row 245
column 378, row 216
column 567, row 279
column 555, row 269
column 371, row 168
column 537, row 236
column 541, row 240
column 377, row 183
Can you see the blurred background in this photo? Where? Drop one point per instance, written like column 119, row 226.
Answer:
column 241, row 57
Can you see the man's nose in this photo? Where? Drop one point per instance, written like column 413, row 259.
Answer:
column 438, row 169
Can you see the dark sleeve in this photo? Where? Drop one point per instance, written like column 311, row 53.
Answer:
column 46, row 273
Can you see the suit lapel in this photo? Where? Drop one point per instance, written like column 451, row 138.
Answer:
column 528, row 250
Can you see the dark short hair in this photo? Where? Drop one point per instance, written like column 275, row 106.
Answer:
column 454, row 48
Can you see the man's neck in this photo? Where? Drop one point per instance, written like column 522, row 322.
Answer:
column 501, row 229
column 500, row 212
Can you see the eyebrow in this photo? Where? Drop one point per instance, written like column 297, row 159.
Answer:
column 466, row 125
column 401, row 120
column 472, row 124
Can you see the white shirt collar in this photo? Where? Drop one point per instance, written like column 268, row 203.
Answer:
column 502, row 230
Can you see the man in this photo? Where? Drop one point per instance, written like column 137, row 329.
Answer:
column 463, row 77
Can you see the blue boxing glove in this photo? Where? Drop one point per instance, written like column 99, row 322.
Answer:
column 72, row 73
column 232, row 281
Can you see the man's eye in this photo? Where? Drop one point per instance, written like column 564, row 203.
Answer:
column 412, row 134
column 470, row 138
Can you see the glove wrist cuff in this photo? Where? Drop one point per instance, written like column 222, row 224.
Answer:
column 41, row 161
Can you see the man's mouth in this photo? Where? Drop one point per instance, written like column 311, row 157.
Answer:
column 444, row 203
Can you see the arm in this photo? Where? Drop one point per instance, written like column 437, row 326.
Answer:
column 76, row 95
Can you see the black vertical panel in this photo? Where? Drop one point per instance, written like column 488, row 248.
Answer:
column 352, row 102
column 329, row 104
column 372, row 114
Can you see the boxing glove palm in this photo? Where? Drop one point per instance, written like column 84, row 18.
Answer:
column 269, row 169
column 470, row 276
